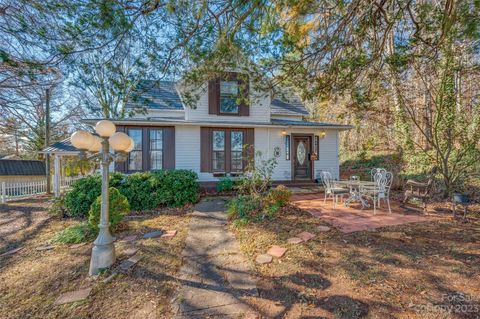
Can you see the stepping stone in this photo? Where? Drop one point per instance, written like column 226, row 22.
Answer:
column 153, row 234
column 11, row 252
column 323, row 228
column 109, row 278
column 129, row 238
column 276, row 251
column 127, row 264
column 130, row 251
column 305, row 236
column 43, row 248
column 73, row 296
column 77, row 245
column 169, row 234
column 294, row 240
column 264, row 259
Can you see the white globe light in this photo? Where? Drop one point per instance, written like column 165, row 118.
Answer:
column 105, row 128
column 119, row 141
column 96, row 145
column 132, row 145
column 82, row 140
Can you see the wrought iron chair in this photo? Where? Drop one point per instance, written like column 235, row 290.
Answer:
column 374, row 171
column 332, row 190
column 380, row 190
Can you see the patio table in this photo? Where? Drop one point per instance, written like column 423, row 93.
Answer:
column 356, row 187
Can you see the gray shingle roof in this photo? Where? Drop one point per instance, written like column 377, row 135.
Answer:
column 62, row 146
column 22, row 167
column 306, row 123
column 294, row 107
column 156, row 95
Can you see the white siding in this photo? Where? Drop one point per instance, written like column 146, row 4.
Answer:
column 259, row 109
column 187, row 145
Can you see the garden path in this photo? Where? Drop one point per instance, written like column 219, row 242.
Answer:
column 215, row 276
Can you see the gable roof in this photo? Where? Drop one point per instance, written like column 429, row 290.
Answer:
column 160, row 95
column 22, row 167
column 163, row 95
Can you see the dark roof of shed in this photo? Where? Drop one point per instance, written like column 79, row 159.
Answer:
column 62, row 146
column 291, row 107
column 22, row 167
column 156, row 95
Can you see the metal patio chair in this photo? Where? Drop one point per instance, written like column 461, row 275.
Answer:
column 380, row 190
column 332, row 190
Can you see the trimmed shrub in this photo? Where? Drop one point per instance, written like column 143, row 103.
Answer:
column 225, row 184
column 140, row 192
column 144, row 191
column 176, row 187
column 118, row 208
column 74, row 234
column 83, row 193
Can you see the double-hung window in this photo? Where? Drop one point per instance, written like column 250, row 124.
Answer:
column 135, row 160
column 236, row 151
column 228, row 97
column 218, row 147
column 227, row 150
column 156, row 149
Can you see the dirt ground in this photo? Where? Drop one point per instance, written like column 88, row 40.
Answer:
column 31, row 280
column 424, row 270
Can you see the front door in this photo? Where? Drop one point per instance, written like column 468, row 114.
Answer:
column 302, row 166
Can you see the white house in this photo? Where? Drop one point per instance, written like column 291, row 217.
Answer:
column 208, row 138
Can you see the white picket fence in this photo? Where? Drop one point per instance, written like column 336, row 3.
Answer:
column 14, row 190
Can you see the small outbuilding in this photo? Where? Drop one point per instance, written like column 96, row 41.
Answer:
column 22, row 170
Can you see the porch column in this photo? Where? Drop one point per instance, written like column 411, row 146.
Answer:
column 57, row 176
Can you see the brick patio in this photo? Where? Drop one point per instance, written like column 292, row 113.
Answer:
column 353, row 218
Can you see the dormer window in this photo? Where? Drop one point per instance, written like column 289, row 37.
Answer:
column 228, row 97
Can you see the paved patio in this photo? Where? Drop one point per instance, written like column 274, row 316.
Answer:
column 353, row 218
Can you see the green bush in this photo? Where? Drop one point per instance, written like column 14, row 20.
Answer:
column 140, row 192
column 144, row 191
column 175, row 188
column 244, row 208
column 279, row 195
column 83, row 193
column 74, row 234
column 225, row 184
column 118, row 208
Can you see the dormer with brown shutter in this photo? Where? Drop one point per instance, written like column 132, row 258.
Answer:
column 229, row 95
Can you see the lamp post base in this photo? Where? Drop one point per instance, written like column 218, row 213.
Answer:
column 103, row 256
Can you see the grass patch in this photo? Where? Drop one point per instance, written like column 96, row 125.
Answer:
column 75, row 234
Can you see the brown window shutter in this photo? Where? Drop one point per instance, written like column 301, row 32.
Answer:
column 169, row 148
column 205, row 150
column 213, row 97
column 250, row 141
column 244, row 109
column 121, row 167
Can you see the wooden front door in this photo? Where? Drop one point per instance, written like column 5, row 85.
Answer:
column 302, row 166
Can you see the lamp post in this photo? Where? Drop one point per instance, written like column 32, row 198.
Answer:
column 103, row 251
